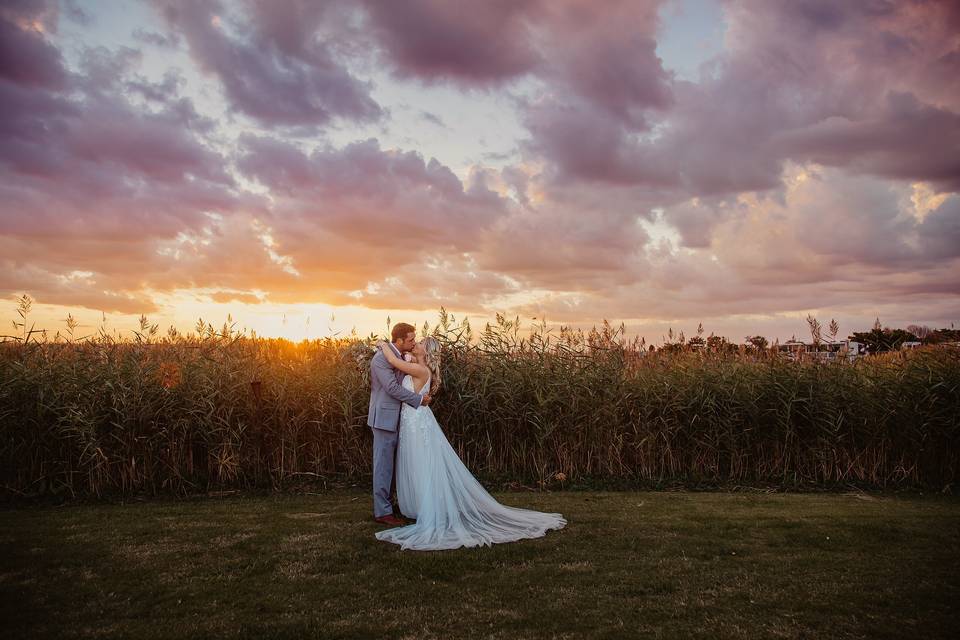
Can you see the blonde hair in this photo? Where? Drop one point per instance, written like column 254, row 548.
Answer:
column 431, row 349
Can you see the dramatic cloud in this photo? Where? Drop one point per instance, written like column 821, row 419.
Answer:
column 91, row 178
column 359, row 189
column 27, row 59
column 777, row 253
column 906, row 140
column 275, row 152
column 361, row 213
column 437, row 40
column 271, row 63
column 867, row 86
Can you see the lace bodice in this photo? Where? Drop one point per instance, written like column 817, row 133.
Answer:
column 411, row 420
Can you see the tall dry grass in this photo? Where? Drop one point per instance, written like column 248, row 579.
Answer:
column 216, row 410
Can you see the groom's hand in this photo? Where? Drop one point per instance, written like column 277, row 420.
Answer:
column 425, row 400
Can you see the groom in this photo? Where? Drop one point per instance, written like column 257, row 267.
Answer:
column 386, row 396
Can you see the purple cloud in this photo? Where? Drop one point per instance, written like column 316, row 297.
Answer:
column 812, row 164
column 27, row 59
column 90, row 180
column 272, row 66
column 432, row 40
column 868, row 86
column 364, row 193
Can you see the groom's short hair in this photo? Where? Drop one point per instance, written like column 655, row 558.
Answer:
column 400, row 331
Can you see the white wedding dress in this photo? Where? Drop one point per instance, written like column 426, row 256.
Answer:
column 451, row 508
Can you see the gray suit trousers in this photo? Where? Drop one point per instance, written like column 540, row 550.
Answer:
column 384, row 454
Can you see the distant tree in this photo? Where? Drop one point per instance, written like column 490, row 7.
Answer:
column 698, row 341
column 897, row 337
column 938, row 336
column 719, row 344
column 921, row 331
column 671, row 347
column 757, row 342
column 879, row 339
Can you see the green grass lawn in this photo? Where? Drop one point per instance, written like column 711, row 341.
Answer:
column 647, row 564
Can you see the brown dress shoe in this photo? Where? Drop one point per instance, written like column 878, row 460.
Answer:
column 390, row 520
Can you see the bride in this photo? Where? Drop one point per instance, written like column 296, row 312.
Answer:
column 434, row 487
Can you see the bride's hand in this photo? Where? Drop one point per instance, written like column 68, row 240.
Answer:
column 382, row 345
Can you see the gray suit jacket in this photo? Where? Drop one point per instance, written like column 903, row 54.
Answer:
column 386, row 394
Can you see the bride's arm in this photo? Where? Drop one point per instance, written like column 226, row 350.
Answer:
column 413, row 368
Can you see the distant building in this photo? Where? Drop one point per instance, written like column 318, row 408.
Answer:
column 825, row 350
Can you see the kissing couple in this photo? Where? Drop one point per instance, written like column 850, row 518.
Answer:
column 450, row 507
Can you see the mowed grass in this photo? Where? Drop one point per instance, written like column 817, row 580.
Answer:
column 629, row 564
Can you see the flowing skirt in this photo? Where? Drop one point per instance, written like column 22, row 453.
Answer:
column 451, row 507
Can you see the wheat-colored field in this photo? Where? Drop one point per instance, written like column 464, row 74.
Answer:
column 216, row 410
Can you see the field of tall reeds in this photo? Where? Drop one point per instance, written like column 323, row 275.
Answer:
column 216, row 410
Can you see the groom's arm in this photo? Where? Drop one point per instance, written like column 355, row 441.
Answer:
column 380, row 368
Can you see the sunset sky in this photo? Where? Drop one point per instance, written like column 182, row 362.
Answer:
column 735, row 163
